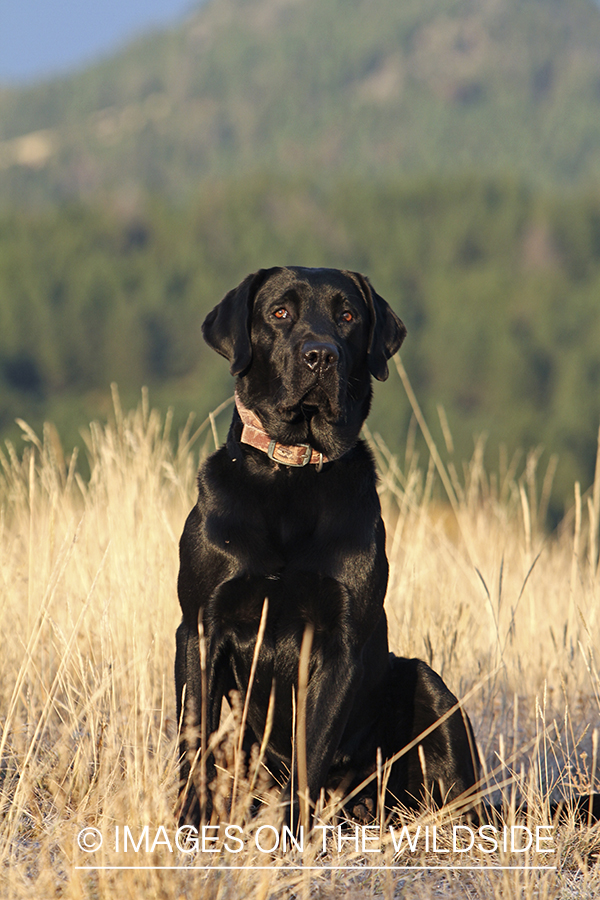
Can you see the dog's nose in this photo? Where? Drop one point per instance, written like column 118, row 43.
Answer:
column 319, row 356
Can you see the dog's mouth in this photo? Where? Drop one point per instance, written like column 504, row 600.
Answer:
column 315, row 402
column 312, row 417
column 308, row 411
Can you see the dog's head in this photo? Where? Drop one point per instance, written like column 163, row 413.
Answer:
column 303, row 344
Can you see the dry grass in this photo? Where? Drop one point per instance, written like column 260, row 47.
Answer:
column 88, row 570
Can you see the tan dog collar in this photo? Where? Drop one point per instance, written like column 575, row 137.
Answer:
column 286, row 454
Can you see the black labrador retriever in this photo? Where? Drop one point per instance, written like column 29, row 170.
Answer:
column 288, row 510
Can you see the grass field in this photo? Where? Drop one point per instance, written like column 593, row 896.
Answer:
column 507, row 614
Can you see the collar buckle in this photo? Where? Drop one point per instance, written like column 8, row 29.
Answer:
column 283, row 451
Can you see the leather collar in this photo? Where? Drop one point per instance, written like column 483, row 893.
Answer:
column 286, row 454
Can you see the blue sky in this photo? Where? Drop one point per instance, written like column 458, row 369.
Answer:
column 39, row 38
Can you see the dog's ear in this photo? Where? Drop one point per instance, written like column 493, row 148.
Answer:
column 227, row 327
column 387, row 330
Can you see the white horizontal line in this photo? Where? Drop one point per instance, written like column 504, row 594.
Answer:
column 287, row 868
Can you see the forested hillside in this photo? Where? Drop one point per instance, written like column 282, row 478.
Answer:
column 497, row 284
column 450, row 149
column 373, row 88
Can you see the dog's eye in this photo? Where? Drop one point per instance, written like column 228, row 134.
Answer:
column 347, row 316
column 281, row 313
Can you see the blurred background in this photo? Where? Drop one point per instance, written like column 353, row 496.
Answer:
column 154, row 153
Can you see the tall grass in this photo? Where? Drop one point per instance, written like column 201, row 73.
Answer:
column 505, row 612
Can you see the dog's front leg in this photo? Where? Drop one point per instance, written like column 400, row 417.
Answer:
column 188, row 685
column 197, row 721
column 325, row 707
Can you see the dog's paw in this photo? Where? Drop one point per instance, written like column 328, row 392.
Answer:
column 363, row 810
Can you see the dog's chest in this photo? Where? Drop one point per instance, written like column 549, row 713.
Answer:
column 292, row 510
column 291, row 531
column 307, row 524
column 257, row 526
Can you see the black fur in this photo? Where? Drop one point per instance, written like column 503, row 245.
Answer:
column 304, row 344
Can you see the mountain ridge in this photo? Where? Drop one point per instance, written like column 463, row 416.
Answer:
column 325, row 86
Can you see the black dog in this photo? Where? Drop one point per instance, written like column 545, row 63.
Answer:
column 288, row 510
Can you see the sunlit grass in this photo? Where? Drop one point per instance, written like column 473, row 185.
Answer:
column 505, row 612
